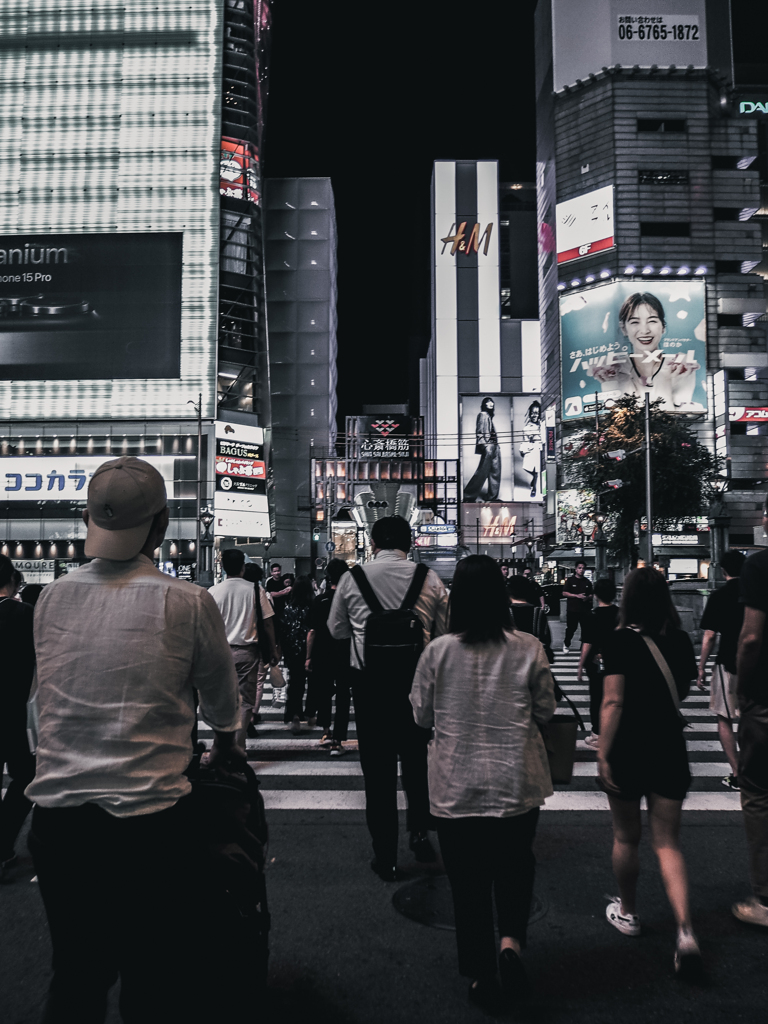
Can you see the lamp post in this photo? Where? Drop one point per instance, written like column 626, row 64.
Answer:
column 205, row 549
column 601, row 545
column 530, row 543
column 719, row 522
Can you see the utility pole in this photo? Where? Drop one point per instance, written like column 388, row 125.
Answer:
column 198, row 493
column 648, row 495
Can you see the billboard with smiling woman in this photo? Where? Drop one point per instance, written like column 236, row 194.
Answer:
column 633, row 338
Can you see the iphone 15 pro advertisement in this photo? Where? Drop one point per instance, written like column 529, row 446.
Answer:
column 91, row 306
column 634, row 338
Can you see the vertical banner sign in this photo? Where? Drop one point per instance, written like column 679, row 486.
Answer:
column 240, row 502
column 527, row 447
column 487, row 460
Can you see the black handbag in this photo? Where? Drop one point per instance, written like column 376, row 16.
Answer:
column 560, row 740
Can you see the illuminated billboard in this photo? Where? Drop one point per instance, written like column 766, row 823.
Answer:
column 63, row 477
column 585, row 224
column 90, row 306
column 502, row 445
column 239, row 174
column 240, row 503
column 120, row 136
column 633, row 338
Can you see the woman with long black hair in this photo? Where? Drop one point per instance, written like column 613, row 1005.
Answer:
column 486, row 689
column 649, row 665
column 486, row 480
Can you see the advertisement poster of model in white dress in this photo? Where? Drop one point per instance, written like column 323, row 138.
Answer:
column 486, row 448
column 635, row 338
column 527, row 446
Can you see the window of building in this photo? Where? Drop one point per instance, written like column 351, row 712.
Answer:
column 726, row 212
column 662, row 177
column 728, row 266
column 665, row 229
column 732, row 163
column 653, row 124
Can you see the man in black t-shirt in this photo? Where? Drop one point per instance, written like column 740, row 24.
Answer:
column 536, row 593
column 328, row 665
column 578, row 592
column 596, row 632
column 752, row 692
column 724, row 614
column 17, row 643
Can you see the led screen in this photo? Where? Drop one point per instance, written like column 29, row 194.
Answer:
column 90, row 306
column 633, row 338
column 111, row 126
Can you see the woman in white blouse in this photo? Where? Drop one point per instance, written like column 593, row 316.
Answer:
column 486, row 689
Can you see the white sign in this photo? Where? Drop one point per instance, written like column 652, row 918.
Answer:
column 242, row 524
column 61, row 477
column 238, row 432
column 664, row 28
column 228, row 501
column 585, row 224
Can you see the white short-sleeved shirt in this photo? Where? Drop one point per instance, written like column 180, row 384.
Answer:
column 120, row 648
column 235, row 599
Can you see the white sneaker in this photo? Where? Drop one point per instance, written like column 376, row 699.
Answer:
column 627, row 924
column 592, row 740
column 751, row 911
column 566, row 650
column 278, row 695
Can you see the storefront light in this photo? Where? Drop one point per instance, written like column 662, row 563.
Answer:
column 561, row 286
column 665, row 270
column 700, row 269
column 604, row 274
column 648, row 269
column 630, row 269
column 589, row 278
column 683, row 270
column 575, row 282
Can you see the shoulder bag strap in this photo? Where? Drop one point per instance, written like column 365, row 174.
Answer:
column 661, row 661
column 366, row 590
column 417, row 582
column 537, row 622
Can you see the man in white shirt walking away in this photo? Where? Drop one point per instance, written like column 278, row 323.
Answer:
column 235, row 598
column 381, row 685
column 121, row 648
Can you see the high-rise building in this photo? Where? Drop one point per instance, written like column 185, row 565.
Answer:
column 648, row 184
column 131, row 276
column 482, row 372
column 301, row 301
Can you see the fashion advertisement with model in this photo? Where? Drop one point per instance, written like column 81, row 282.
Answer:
column 502, row 441
column 634, row 338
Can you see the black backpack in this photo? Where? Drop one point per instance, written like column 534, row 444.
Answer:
column 394, row 638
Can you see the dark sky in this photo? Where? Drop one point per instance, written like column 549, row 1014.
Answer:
column 371, row 100
column 370, row 95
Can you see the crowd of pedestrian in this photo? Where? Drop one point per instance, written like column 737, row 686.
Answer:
column 122, row 658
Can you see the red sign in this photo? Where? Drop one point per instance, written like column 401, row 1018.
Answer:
column 228, row 466
column 239, row 170
column 585, row 250
column 751, row 414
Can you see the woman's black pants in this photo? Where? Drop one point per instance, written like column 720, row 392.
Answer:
column 488, row 859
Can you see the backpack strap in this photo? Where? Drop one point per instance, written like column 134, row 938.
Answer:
column 417, row 582
column 366, row 590
column 537, row 622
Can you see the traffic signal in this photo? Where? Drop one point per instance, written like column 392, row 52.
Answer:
column 617, row 456
column 615, row 484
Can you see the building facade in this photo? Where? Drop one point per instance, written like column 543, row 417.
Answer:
column 482, row 372
column 647, row 183
column 131, row 294
column 301, row 302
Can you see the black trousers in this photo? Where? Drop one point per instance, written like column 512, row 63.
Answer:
column 753, row 781
column 385, row 731
column 487, row 859
column 325, row 681
column 119, row 894
column 14, row 807
column 574, row 617
column 595, row 677
column 297, row 680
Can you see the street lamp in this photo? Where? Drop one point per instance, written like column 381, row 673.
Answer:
column 205, row 549
column 601, row 544
column 719, row 522
column 530, row 543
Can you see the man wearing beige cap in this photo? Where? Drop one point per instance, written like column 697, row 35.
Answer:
column 120, row 649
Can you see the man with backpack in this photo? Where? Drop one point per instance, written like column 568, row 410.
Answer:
column 390, row 608
column 529, row 617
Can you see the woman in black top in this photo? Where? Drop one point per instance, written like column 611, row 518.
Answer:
column 642, row 750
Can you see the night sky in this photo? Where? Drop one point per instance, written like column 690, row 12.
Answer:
column 370, row 95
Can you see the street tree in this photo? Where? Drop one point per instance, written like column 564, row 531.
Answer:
column 681, row 469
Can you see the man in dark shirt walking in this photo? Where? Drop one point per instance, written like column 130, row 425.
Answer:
column 596, row 632
column 724, row 614
column 578, row 591
column 17, row 643
column 328, row 665
column 752, row 692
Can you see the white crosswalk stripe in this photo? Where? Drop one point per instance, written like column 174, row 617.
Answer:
column 297, row 775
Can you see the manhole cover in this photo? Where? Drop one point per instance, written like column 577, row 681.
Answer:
column 428, row 900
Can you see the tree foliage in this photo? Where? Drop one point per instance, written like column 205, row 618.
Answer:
column 681, row 468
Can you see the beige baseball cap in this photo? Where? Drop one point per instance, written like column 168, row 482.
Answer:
column 124, row 496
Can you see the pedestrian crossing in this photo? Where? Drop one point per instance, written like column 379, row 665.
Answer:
column 297, row 775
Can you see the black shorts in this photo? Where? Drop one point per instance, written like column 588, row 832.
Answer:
column 664, row 772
